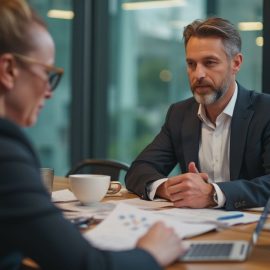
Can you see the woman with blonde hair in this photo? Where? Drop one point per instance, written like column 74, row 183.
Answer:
column 30, row 225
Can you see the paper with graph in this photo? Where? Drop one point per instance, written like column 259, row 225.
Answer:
column 125, row 224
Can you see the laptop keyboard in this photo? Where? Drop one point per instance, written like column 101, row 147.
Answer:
column 209, row 250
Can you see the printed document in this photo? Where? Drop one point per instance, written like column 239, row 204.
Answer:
column 126, row 223
column 210, row 216
column 143, row 204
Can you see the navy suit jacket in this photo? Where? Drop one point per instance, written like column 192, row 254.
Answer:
column 178, row 142
column 31, row 226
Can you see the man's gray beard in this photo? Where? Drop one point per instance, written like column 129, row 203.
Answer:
column 212, row 97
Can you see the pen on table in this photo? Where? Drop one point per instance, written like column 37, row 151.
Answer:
column 230, row 216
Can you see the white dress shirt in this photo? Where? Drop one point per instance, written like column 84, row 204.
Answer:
column 214, row 149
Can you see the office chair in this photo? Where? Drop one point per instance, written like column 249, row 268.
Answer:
column 100, row 166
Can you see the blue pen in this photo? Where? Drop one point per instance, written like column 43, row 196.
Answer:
column 230, row 216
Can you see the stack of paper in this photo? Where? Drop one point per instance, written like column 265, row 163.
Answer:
column 209, row 215
column 122, row 228
column 126, row 220
column 72, row 208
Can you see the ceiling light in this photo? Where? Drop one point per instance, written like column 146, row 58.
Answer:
column 259, row 41
column 60, row 14
column 250, row 26
column 153, row 4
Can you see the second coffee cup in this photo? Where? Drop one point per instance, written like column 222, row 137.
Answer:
column 47, row 175
column 91, row 188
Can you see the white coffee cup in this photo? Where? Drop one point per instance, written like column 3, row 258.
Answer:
column 90, row 188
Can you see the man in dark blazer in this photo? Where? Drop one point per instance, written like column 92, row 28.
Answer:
column 220, row 137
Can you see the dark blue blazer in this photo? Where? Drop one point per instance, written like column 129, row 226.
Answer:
column 178, row 142
column 31, row 226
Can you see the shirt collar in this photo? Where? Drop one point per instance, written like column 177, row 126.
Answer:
column 228, row 109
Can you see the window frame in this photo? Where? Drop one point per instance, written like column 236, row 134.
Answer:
column 90, row 57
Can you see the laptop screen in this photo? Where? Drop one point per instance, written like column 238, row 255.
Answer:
column 260, row 224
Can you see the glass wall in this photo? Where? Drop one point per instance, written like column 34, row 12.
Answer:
column 147, row 70
column 50, row 134
column 147, row 64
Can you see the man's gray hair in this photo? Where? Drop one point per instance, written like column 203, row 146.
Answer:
column 215, row 27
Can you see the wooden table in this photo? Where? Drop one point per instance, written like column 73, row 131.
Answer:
column 259, row 259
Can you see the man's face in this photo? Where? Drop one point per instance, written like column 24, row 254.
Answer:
column 209, row 69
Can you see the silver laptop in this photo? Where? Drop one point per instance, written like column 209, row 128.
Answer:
column 199, row 251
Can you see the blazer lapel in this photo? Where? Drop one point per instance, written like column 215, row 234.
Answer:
column 191, row 133
column 242, row 115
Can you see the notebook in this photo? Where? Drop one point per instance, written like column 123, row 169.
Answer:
column 232, row 250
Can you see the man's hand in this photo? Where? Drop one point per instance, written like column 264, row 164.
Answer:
column 193, row 169
column 188, row 190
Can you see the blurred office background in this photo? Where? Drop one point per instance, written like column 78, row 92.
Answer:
column 124, row 65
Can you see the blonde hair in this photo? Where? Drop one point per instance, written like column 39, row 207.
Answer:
column 16, row 17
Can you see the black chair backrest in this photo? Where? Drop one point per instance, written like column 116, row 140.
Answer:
column 100, row 166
